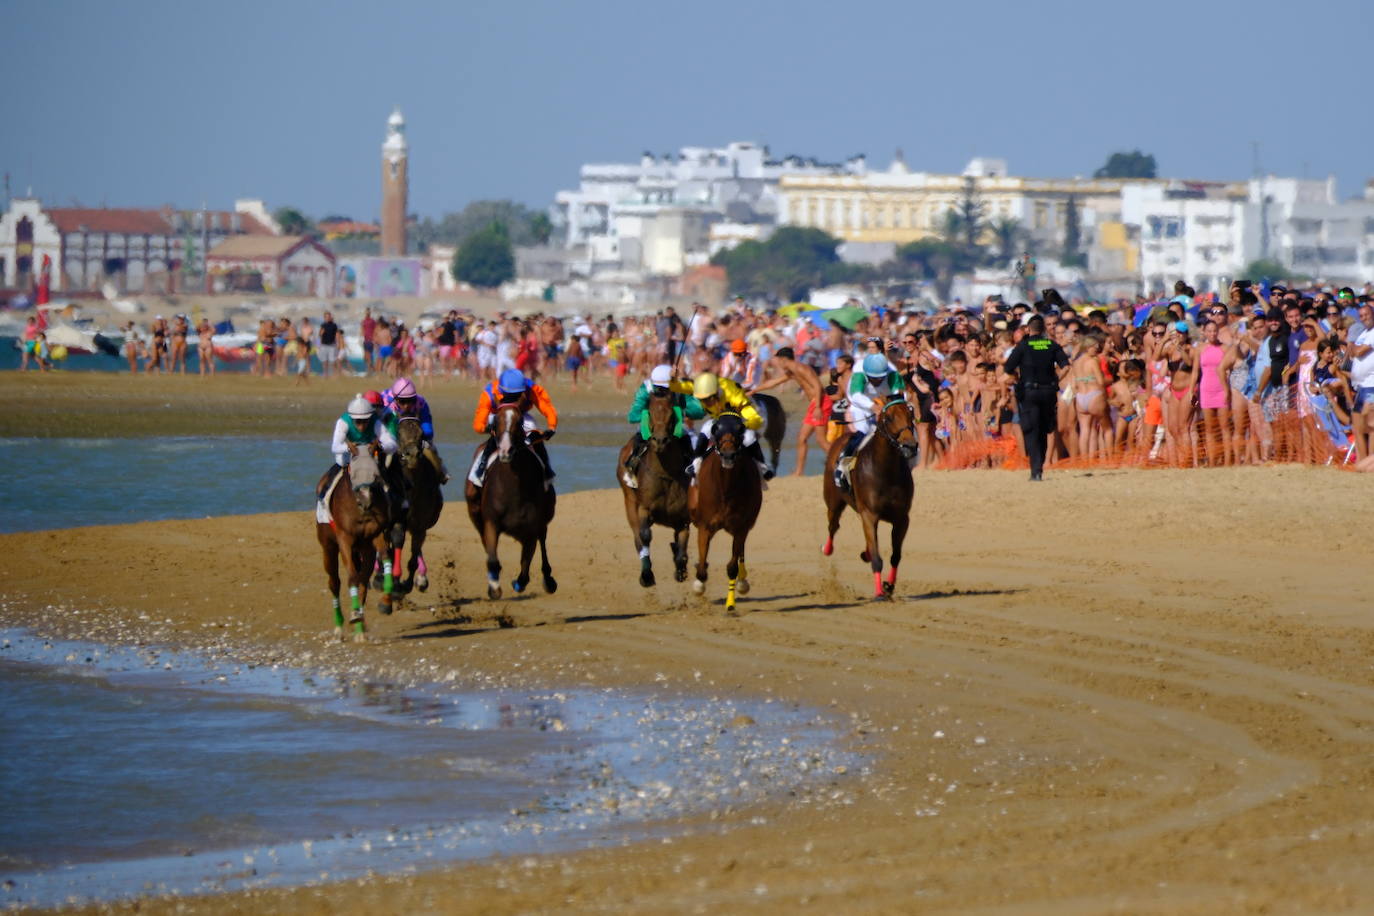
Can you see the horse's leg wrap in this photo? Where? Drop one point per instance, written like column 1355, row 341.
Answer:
column 356, row 616
column 338, row 612
column 387, row 579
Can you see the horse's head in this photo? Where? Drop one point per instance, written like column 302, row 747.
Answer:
column 411, row 440
column 897, row 423
column 366, row 478
column 727, row 435
column 662, row 419
column 509, row 430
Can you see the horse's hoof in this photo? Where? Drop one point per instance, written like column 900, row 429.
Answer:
column 864, row 556
column 493, row 591
column 646, row 578
column 680, row 574
column 378, row 581
column 339, row 634
column 517, row 586
column 888, row 588
column 422, row 583
column 550, row 585
column 698, row 586
column 360, row 637
column 384, row 605
column 828, row 548
column 742, row 587
column 730, row 611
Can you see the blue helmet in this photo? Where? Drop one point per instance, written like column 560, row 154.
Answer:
column 512, row 381
column 875, row 365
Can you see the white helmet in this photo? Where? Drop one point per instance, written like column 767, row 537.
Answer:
column 662, row 376
column 358, row 408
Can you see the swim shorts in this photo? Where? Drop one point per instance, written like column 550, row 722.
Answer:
column 1154, row 411
column 384, row 351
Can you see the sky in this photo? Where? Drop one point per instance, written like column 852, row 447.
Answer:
column 143, row 103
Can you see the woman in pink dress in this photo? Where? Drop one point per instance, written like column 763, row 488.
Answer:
column 1213, row 397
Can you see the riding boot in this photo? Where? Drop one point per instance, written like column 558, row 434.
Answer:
column 480, row 472
column 701, row 447
column 755, row 451
column 631, row 475
column 845, row 463
column 432, row 455
column 321, row 510
column 543, row 454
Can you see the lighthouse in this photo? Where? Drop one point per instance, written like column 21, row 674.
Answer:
column 395, row 186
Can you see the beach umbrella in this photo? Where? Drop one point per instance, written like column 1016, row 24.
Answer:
column 845, row 316
column 795, row 309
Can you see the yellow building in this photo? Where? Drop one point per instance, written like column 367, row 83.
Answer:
column 899, row 205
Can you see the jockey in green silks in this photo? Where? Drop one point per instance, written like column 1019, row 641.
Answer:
column 685, row 407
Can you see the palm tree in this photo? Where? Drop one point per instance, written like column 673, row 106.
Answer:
column 1006, row 230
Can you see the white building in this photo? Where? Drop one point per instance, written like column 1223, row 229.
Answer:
column 1207, row 234
column 135, row 249
column 623, row 214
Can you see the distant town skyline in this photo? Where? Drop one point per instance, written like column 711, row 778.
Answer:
column 157, row 103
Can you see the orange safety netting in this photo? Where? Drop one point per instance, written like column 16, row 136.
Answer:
column 1291, row 439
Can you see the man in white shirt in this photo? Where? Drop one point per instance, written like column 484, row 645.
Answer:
column 1362, row 381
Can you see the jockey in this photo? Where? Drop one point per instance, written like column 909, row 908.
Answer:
column 359, row 425
column 686, row 407
column 404, row 401
column 878, row 381
column 740, row 366
column 718, row 396
column 513, row 388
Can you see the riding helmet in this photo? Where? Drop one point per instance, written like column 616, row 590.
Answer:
column 512, row 381
column 402, row 388
column 373, row 397
column 707, row 385
column 662, row 376
column 358, row 408
column 875, row 365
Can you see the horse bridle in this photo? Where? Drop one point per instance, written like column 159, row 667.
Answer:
column 715, row 436
column 882, row 428
column 416, row 421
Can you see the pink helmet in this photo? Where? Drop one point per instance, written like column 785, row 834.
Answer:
column 403, row 389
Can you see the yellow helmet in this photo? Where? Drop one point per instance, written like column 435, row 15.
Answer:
column 706, row 385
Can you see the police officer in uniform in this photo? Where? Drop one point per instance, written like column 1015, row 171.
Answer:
column 1036, row 361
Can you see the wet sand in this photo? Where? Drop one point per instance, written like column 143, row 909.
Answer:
column 1162, row 701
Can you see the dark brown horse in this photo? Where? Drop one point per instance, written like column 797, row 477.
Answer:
column 661, row 497
column 426, row 499
column 360, row 512
column 775, row 427
column 880, row 488
column 726, row 495
column 514, row 501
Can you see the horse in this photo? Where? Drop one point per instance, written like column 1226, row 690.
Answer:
column 880, row 488
column 426, row 499
column 513, row 501
column 360, row 514
column 775, row 424
column 661, row 497
column 726, row 495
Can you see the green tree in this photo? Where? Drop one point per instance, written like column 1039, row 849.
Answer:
column 541, row 227
column 971, row 215
column 1073, row 255
column 293, row 221
column 1265, row 269
column 486, row 259
column 1007, row 235
column 789, row 265
column 456, row 228
column 1134, row 164
column 934, row 259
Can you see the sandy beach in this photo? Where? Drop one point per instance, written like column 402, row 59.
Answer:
column 1161, row 700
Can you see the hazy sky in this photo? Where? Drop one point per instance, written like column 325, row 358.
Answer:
column 144, row 103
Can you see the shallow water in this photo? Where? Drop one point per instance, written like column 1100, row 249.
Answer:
column 65, row 483
column 131, row 771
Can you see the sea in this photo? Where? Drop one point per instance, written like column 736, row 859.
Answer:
column 149, row 771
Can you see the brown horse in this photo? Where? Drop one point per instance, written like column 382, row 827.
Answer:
column 426, row 499
column 360, row 512
column 726, row 495
column 775, row 427
column 514, row 501
column 661, row 497
column 880, row 488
